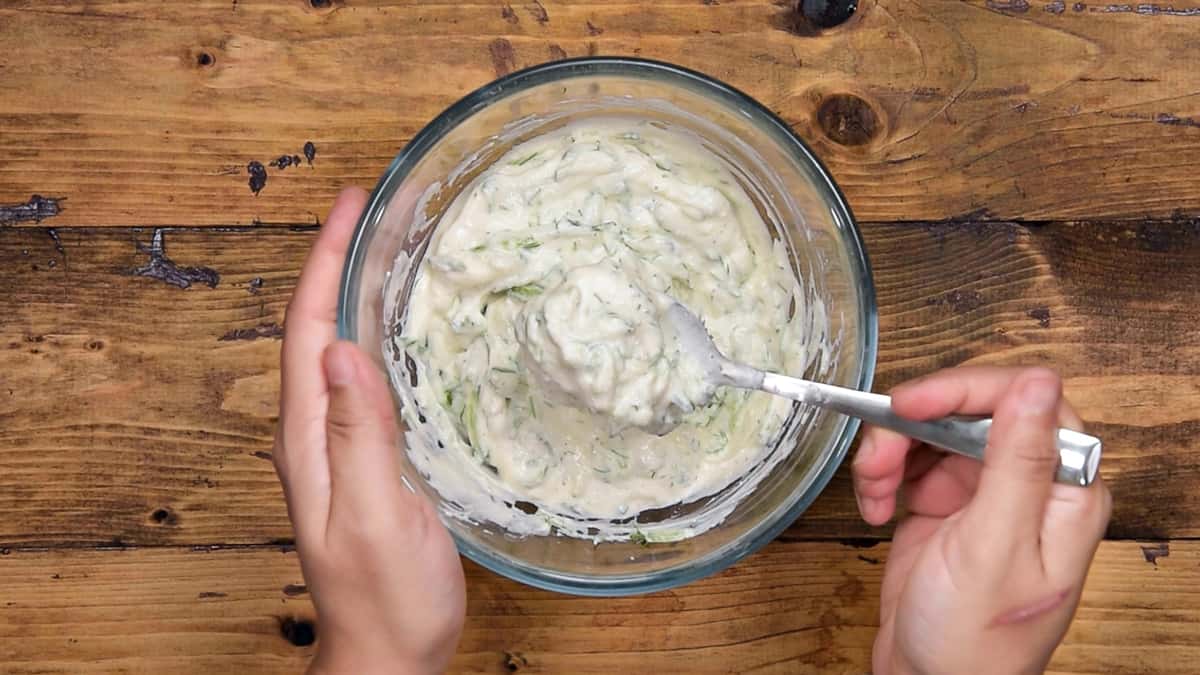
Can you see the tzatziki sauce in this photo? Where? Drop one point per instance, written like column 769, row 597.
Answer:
column 545, row 371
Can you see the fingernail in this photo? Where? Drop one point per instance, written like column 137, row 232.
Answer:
column 1039, row 396
column 866, row 507
column 339, row 368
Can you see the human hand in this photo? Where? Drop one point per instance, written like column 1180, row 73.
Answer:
column 986, row 571
column 382, row 570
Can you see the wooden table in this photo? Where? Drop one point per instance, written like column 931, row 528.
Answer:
column 1025, row 174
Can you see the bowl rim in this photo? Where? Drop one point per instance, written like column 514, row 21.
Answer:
column 780, row 519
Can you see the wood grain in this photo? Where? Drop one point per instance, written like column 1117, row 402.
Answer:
column 148, row 113
column 141, row 525
column 135, row 411
column 791, row 608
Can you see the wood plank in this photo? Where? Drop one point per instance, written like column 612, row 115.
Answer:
column 137, row 411
column 795, row 608
column 147, row 113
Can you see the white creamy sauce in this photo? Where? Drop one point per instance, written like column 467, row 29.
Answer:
column 543, row 365
column 597, row 342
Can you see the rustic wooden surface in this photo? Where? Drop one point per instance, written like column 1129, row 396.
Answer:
column 140, row 112
column 1025, row 172
column 799, row 607
column 137, row 397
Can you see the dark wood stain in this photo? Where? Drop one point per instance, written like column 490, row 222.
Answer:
column 164, row 269
column 1041, row 315
column 258, row 176
column 284, row 161
column 538, row 12
column 267, row 330
column 37, row 209
column 994, row 92
column 848, row 120
column 959, row 300
column 503, row 57
column 58, row 245
column 1147, row 9
column 1009, row 6
column 1155, row 551
column 1164, row 118
column 850, row 589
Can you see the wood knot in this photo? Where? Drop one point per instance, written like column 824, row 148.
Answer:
column 298, row 632
column 94, row 345
column 808, row 18
column 826, row 13
column 847, row 120
column 204, row 59
column 164, row 516
column 514, row 661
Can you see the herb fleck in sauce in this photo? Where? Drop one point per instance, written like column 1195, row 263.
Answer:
column 534, row 323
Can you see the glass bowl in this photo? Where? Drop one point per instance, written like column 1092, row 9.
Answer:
column 794, row 194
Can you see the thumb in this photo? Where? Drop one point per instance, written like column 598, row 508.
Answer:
column 1020, row 461
column 360, row 428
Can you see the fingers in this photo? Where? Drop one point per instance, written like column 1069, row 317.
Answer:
column 1012, row 498
column 310, row 327
column 1076, row 518
column 970, row 390
column 316, row 293
column 936, row 484
column 878, row 471
column 363, row 465
column 1020, row 461
column 1075, row 522
column 945, row 488
column 879, row 467
column 311, row 315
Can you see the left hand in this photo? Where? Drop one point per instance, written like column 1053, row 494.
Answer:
column 382, row 570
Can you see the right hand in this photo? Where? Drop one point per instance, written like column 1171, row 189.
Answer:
column 985, row 573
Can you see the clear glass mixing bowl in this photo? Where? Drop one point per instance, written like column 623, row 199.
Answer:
column 794, row 194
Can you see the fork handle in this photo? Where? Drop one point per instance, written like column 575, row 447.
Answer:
column 1078, row 453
